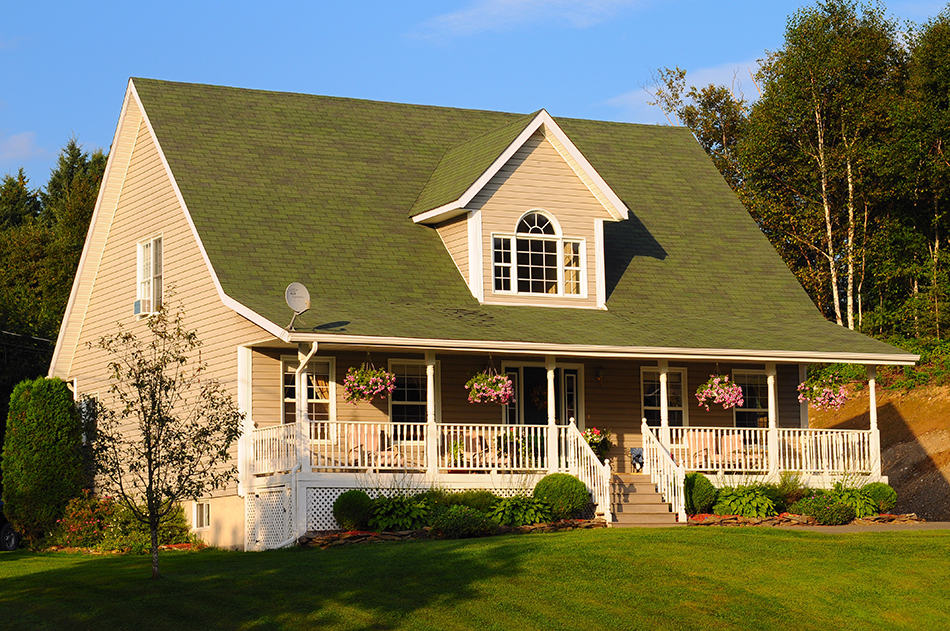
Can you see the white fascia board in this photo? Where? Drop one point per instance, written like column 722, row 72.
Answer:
column 587, row 350
column 619, row 210
column 228, row 301
column 107, row 175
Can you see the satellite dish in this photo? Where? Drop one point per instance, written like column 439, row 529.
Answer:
column 298, row 299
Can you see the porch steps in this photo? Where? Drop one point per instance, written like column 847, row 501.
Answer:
column 636, row 503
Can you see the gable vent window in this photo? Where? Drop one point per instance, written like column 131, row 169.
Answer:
column 149, row 286
column 537, row 259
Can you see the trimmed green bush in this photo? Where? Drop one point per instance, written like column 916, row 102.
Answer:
column 520, row 510
column 125, row 532
column 747, row 501
column 460, row 521
column 43, row 463
column 774, row 493
column 700, row 493
column 353, row 509
column 565, row 495
column 399, row 512
column 834, row 513
column 882, row 494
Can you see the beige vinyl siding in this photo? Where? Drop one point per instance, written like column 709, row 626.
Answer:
column 538, row 177
column 112, row 184
column 148, row 207
column 454, row 233
column 267, row 386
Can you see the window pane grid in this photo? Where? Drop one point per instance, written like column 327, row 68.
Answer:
column 408, row 401
column 674, row 395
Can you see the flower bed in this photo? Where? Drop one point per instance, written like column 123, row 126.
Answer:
column 791, row 519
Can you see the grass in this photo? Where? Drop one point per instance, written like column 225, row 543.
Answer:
column 650, row 579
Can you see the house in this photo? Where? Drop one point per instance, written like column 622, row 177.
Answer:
column 606, row 268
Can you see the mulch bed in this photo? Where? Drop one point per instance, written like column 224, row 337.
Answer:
column 332, row 539
column 170, row 546
column 788, row 519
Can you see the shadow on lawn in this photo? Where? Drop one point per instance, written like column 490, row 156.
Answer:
column 363, row 587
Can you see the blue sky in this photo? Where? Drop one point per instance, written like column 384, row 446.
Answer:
column 66, row 64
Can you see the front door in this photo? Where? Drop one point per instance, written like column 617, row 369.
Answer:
column 531, row 395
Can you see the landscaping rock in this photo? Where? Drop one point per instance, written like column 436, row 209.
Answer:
column 788, row 519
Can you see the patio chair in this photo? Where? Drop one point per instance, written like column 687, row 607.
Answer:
column 732, row 451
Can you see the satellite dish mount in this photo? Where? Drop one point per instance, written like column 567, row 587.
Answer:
column 298, row 299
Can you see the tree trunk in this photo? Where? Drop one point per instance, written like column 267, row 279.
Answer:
column 154, row 532
column 850, row 242
column 864, row 249
column 826, row 205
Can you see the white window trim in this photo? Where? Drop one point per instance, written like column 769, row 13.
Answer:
column 194, row 514
column 580, row 419
column 735, row 379
column 292, row 360
column 139, row 279
column 437, row 384
column 685, row 397
column 559, row 238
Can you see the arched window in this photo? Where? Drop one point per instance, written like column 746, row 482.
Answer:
column 537, row 259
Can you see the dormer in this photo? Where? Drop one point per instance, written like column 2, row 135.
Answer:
column 521, row 212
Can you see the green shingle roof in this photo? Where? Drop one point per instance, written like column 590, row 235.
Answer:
column 291, row 187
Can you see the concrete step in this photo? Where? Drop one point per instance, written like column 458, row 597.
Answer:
column 644, row 518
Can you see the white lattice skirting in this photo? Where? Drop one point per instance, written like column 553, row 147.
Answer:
column 269, row 518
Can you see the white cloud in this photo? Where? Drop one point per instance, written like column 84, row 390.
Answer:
column 498, row 15
column 20, row 147
column 635, row 106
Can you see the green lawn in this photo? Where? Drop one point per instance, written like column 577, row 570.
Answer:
column 612, row 579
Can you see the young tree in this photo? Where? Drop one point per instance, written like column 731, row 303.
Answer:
column 167, row 435
column 17, row 202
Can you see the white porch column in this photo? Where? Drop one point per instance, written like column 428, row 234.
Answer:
column 773, row 455
column 304, row 354
column 664, row 366
column 550, row 363
column 432, row 438
column 803, row 406
column 245, row 448
column 872, row 417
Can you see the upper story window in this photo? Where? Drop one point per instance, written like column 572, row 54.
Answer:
column 149, row 276
column 538, row 259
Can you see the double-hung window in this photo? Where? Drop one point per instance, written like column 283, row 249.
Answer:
column 537, row 259
column 650, row 393
column 408, row 401
column 754, row 411
column 318, row 380
column 149, row 276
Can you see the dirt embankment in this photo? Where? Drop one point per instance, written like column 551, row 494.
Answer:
column 915, row 443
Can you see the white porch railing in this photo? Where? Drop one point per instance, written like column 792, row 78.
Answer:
column 577, row 458
column 486, row 447
column 362, row 445
column 711, row 449
column 273, row 449
column 668, row 476
column 825, row 451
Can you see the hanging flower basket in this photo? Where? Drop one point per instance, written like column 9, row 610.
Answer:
column 490, row 387
column 366, row 383
column 823, row 392
column 718, row 389
column 599, row 440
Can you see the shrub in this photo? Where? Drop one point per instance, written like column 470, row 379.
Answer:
column 834, row 513
column 747, row 501
column 774, row 493
column 520, row 510
column 84, row 521
column 882, row 494
column 460, row 521
column 399, row 512
column 352, row 509
column 125, row 532
column 43, row 464
column 862, row 503
column 565, row 495
column 700, row 493
column 479, row 499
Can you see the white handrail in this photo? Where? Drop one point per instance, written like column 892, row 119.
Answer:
column 273, row 448
column 712, row 449
column 577, row 457
column 668, row 476
column 825, row 451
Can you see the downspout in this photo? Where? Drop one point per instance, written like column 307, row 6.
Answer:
column 303, row 440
